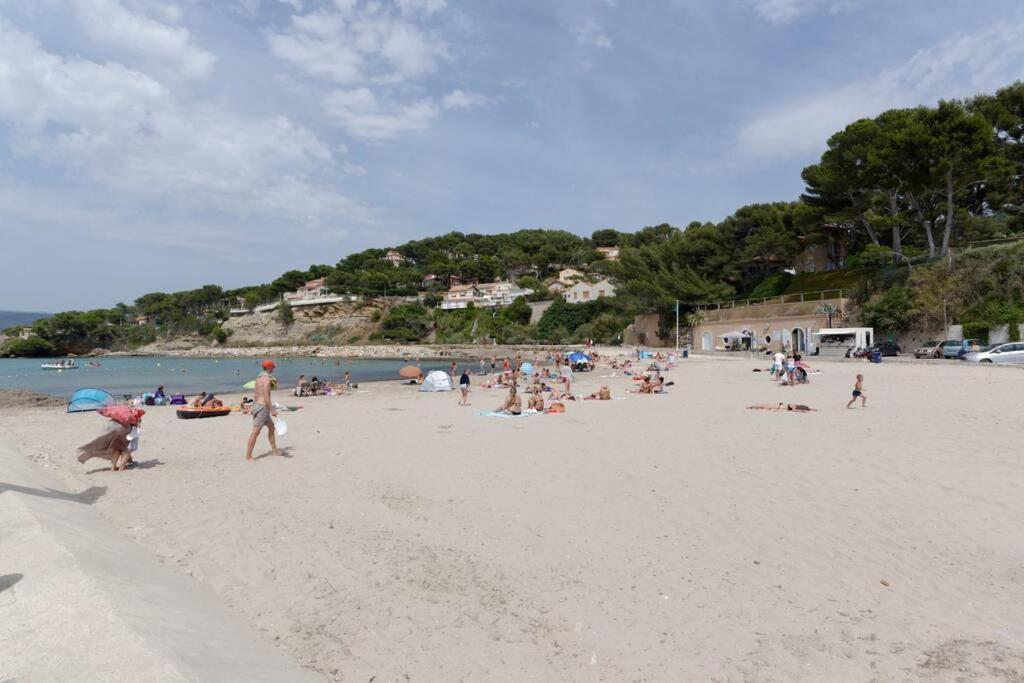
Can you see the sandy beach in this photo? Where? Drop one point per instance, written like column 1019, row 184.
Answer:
column 652, row 538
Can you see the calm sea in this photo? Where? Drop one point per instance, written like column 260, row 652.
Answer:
column 134, row 375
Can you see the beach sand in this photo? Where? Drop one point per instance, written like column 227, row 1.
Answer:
column 656, row 538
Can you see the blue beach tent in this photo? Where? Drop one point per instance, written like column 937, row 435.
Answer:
column 578, row 357
column 85, row 400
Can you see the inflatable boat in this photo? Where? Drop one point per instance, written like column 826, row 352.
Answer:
column 189, row 413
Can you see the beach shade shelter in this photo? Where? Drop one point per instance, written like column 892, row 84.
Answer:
column 85, row 400
column 578, row 357
column 735, row 334
column 437, row 380
column 526, row 368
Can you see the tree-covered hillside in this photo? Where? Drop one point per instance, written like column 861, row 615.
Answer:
column 906, row 186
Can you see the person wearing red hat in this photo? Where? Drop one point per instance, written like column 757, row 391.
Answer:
column 263, row 412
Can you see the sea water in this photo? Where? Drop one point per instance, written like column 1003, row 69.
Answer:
column 124, row 375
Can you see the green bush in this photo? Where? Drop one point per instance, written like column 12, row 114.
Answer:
column 1015, row 331
column 285, row 314
column 407, row 323
column 33, row 347
column 976, row 330
column 562, row 316
column 773, row 285
column 890, row 311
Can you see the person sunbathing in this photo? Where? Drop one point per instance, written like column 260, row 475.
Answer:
column 603, row 394
column 513, row 405
column 536, row 401
column 791, row 407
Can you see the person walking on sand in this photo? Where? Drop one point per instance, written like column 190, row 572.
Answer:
column 858, row 392
column 263, row 410
column 464, row 387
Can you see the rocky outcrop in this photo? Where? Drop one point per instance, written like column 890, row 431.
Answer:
column 334, row 323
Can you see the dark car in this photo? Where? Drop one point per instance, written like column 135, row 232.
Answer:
column 886, row 348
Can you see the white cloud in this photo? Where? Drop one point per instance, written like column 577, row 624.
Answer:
column 428, row 6
column 132, row 135
column 359, row 42
column 958, row 67
column 359, row 112
column 460, row 99
column 591, row 34
column 111, row 23
column 787, row 11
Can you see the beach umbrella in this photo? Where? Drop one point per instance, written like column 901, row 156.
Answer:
column 578, row 357
column 735, row 334
column 410, row 372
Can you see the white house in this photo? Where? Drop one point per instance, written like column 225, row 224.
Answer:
column 588, row 291
column 484, row 295
column 609, row 253
column 460, row 296
column 314, row 289
column 394, row 258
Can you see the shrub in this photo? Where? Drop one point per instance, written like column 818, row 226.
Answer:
column 33, row 347
column 976, row 330
column 408, row 323
column 773, row 285
column 285, row 313
column 890, row 311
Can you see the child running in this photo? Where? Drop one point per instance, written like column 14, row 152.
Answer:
column 858, row 392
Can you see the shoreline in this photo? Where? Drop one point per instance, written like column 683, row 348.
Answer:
column 375, row 351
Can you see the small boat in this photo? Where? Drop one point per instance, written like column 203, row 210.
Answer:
column 190, row 413
column 66, row 364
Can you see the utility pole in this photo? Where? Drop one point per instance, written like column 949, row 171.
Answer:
column 677, row 327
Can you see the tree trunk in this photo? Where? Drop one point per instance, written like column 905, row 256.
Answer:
column 950, row 211
column 894, row 211
column 871, row 231
column 926, row 225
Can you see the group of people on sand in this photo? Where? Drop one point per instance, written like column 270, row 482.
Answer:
column 318, row 387
column 788, row 369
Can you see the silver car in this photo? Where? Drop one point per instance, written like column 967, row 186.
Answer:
column 998, row 353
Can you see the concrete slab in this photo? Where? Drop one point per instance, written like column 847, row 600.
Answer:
column 79, row 601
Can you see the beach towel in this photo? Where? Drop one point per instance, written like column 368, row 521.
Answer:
column 494, row 413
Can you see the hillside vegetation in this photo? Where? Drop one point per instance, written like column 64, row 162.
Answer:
column 903, row 187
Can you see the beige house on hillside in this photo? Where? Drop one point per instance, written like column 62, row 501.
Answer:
column 588, row 291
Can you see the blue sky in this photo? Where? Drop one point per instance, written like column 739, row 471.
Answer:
column 165, row 144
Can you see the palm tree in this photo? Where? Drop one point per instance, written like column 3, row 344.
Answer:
column 827, row 310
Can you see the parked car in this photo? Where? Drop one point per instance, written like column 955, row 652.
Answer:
column 997, row 353
column 929, row 349
column 971, row 345
column 951, row 348
column 886, row 348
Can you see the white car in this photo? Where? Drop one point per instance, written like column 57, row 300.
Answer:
column 998, row 353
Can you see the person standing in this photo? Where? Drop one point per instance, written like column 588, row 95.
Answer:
column 263, row 412
column 464, row 387
column 483, row 367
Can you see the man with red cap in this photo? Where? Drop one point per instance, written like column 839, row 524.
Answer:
column 263, row 409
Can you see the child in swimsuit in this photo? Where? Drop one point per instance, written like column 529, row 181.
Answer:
column 858, row 392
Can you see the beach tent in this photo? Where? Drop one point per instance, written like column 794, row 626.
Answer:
column 578, row 357
column 526, row 368
column 85, row 400
column 437, row 380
